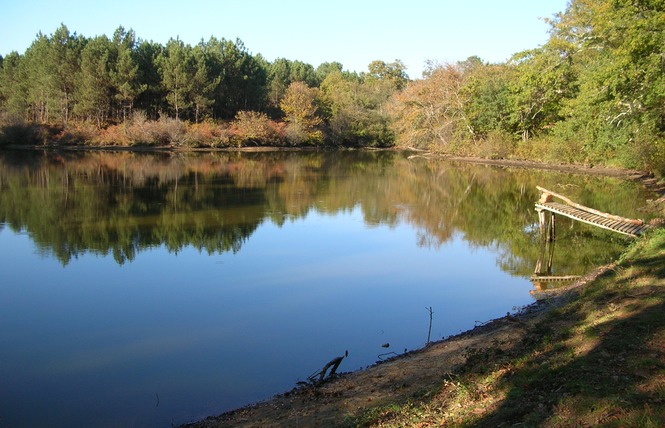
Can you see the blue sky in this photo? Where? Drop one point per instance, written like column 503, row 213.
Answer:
column 353, row 32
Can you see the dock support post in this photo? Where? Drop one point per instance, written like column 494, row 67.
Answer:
column 546, row 229
column 541, row 221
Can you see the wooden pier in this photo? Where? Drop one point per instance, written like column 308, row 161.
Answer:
column 584, row 214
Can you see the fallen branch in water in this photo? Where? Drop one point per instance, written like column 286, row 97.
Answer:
column 380, row 356
column 334, row 363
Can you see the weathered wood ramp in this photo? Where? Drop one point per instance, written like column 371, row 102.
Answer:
column 627, row 228
column 587, row 215
column 550, row 278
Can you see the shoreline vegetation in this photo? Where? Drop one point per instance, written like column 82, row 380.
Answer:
column 593, row 94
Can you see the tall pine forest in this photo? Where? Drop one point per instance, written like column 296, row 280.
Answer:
column 593, row 94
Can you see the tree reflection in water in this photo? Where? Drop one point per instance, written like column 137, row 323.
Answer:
column 122, row 202
column 218, row 279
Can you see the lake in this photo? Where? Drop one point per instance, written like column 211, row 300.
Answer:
column 151, row 289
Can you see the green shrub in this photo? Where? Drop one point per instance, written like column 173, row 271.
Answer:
column 27, row 134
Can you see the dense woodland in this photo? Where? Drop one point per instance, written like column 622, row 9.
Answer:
column 594, row 93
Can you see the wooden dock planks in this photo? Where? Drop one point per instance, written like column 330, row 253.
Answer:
column 620, row 226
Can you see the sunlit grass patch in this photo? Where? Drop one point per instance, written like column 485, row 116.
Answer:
column 579, row 410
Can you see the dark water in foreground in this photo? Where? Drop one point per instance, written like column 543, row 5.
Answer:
column 150, row 290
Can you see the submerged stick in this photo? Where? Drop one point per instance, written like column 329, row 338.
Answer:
column 429, row 332
column 380, row 356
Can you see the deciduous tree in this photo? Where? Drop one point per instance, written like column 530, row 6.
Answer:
column 545, row 78
column 617, row 50
column 354, row 109
column 282, row 72
column 300, row 110
column 489, row 106
column 430, row 112
column 394, row 72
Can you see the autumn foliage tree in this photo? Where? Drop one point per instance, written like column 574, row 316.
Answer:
column 299, row 106
column 429, row 113
column 251, row 127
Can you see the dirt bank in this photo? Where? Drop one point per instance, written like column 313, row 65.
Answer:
column 413, row 375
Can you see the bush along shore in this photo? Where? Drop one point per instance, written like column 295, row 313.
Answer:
column 248, row 129
column 593, row 354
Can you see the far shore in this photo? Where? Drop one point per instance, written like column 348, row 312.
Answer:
column 646, row 178
column 417, row 153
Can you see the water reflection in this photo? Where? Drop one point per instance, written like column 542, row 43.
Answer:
column 213, row 280
column 544, row 278
column 123, row 203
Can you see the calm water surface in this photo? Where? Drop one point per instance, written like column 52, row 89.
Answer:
column 151, row 290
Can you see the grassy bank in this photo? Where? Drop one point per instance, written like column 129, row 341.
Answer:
column 598, row 359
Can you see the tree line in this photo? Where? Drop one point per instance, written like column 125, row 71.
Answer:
column 593, row 93
column 71, row 80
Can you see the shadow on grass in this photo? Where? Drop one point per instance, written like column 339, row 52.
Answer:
column 601, row 363
column 600, row 384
